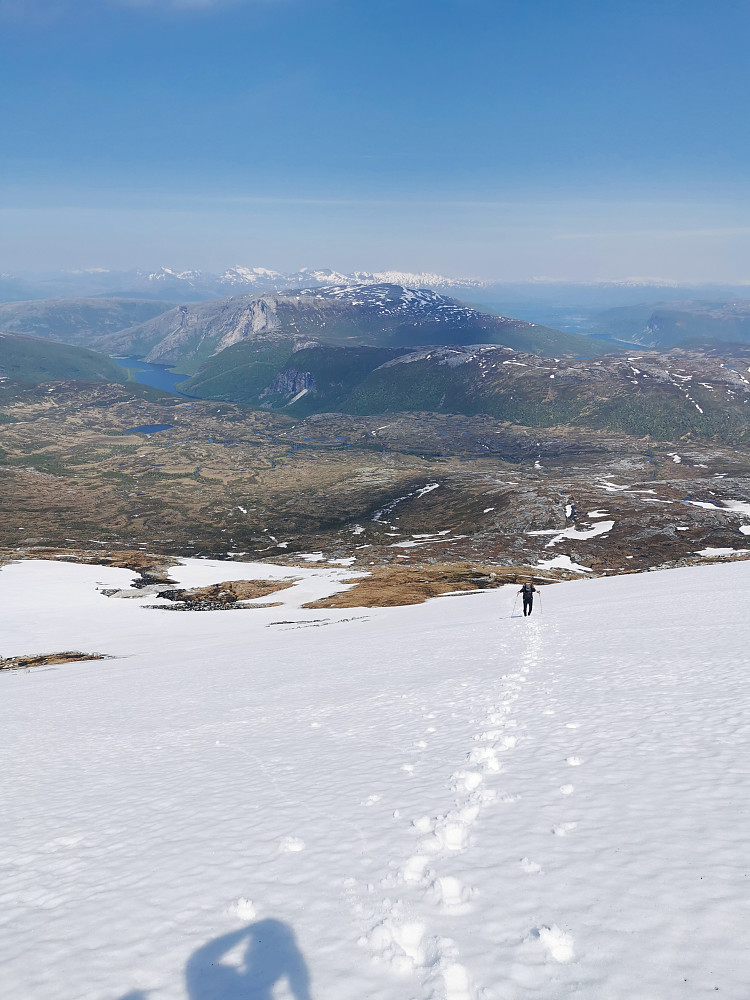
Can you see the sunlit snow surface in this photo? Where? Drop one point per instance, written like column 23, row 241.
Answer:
column 393, row 804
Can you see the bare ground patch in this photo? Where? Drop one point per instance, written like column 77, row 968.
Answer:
column 152, row 568
column 394, row 586
column 48, row 659
column 225, row 595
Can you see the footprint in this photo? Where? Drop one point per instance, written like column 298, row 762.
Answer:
column 567, row 789
column 370, row 800
column 452, row 835
column 244, row 909
column 556, row 942
column 530, row 867
column 562, row 829
column 400, row 945
column 452, row 831
column 414, row 870
column 290, row 845
column 410, row 938
column 457, row 982
column 486, row 757
column 468, row 814
column 573, row 761
column 484, row 796
column 450, row 894
column 572, row 725
column 450, row 978
column 466, row 781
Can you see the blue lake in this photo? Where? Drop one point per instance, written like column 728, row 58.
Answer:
column 158, row 376
column 148, row 429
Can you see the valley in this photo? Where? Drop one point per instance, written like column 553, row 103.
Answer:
column 232, row 482
column 317, row 425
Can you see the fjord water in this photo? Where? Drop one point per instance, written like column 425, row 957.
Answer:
column 158, row 376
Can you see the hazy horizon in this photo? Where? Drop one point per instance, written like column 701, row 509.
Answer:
column 534, row 281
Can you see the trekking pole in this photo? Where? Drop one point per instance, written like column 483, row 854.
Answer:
column 514, row 606
column 541, row 606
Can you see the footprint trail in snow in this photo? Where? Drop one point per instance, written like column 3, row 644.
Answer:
column 424, row 882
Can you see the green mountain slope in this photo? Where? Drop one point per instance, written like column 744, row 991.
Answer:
column 666, row 397
column 33, row 360
column 672, row 324
column 77, row 321
column 663, row 396
column 385, row 316
column 278, row 374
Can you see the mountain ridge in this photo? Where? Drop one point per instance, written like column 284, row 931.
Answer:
column 363, row 314
column 663, row 325
column 77, row 321
column 682, row 395
column 34, row 361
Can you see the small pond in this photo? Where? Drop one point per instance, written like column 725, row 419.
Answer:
column 148, row 429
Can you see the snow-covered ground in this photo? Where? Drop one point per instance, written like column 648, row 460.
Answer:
column 393, row 804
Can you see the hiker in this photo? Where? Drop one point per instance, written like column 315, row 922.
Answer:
column 528, row 590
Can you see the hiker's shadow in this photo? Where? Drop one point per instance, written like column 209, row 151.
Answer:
column 271, row 956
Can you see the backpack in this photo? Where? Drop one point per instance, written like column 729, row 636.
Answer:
column 528, row 589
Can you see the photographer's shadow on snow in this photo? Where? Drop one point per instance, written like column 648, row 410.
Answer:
column 271, row 955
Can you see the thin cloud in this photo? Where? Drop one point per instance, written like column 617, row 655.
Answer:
column 185, row 5
column 666, row 233
column 44, row 11
column 174, row 4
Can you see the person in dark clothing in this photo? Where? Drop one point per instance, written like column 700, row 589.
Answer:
column 528, row 590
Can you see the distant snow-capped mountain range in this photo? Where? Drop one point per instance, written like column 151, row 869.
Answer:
column 256, row 277
column 265, row 279
column 196, row 285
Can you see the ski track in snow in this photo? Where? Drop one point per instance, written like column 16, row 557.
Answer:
column 442, row 802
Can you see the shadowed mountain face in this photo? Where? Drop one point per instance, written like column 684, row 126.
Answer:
column 31, row 360
column 662, row 396
column 364, row 315
column 77, row 321
column 279, row 374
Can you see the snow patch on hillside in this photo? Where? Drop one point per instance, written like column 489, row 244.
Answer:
column 600, row 528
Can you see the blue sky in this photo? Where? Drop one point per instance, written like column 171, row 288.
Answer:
column 504, row 138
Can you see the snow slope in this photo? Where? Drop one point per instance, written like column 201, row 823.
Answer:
column 394, row 804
